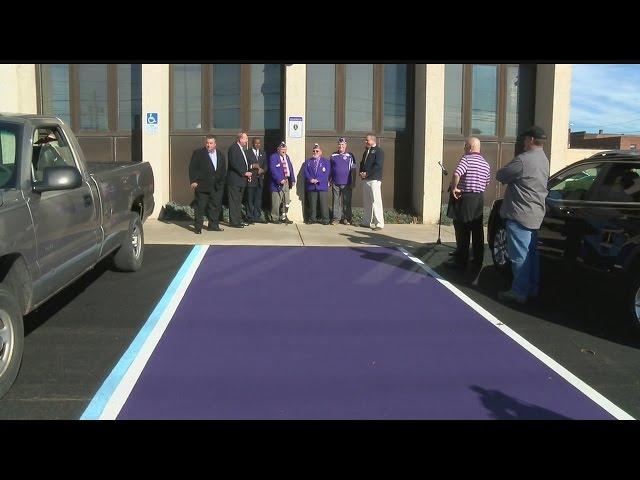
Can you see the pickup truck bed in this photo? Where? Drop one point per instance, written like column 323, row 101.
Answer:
column 59, row 216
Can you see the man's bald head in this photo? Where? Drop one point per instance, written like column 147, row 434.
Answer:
column 472, row 144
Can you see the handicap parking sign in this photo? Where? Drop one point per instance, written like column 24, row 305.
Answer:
column 151, row 125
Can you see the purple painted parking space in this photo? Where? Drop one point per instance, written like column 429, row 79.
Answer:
column 338, row 333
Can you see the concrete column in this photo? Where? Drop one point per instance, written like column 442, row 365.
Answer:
column 428, row 143
column 296, row 106
column 553, row 106
column 155, row 145
column 18, row 88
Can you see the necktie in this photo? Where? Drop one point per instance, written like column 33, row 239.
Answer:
column 285, row 167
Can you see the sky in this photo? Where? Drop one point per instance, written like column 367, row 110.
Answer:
column 605, row 97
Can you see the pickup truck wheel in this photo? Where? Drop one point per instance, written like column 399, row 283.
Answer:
column 11, row 338
column 129, row 256
column 499, row 252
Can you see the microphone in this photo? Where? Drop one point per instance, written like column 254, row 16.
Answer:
column 444, row 170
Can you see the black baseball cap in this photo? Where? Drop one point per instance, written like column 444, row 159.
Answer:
column 535, row 132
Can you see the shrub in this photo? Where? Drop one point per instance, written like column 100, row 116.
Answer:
column 175, row 212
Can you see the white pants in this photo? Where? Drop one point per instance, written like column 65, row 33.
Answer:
column 372, row 201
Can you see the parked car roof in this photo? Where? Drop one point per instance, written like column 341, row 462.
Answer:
column 616, row 155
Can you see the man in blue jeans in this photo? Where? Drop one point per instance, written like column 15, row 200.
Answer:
column 523, row 208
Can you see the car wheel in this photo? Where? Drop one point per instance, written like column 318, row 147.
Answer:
column 129, row 256
column 499, row 252
column 634, row 304
column 11, row 339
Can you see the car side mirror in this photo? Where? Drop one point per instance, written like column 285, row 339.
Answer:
column 58, row 178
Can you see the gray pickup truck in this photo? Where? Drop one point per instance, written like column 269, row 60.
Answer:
column 59, row 216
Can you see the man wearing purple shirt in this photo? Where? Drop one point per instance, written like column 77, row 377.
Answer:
column 468, row 184
column 342, row 180
column 316, row 171
column 282, row 179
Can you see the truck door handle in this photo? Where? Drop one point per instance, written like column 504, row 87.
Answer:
column 87, row 200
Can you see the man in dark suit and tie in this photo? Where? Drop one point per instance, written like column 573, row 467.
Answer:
column 207, row 174
column 371, row 168
column 237, row 178
column 259, row 166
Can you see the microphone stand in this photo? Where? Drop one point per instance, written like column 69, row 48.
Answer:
column 443, row 172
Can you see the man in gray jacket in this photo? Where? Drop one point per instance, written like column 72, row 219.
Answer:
column 523, row 208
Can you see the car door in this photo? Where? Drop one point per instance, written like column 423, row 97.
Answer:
column 567, row 211
column 67, row 222
column 613, row 215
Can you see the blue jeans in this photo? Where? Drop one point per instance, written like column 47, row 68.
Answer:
column 525, row 260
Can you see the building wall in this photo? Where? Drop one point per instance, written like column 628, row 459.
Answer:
column 411, row 176
column 576, row 154
column 18, row 88
column 552, row 109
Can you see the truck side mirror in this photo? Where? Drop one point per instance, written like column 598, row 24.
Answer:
column 58, row 178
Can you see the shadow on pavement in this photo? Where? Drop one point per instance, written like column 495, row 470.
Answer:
column 504, row 407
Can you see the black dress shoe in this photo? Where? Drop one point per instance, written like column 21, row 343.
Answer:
column 259, row 220
column 344, row 222
column 277, row 222
column 238, row 225
column 215, row 228
column 286, row 220
column 309, row 222
column 197, row 231
column 325, row 223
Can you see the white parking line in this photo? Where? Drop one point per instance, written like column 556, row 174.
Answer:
column 599, row 399
column 108, row 401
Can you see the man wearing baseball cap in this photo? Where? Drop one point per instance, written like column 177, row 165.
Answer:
column 523, row 208
column 343, row 168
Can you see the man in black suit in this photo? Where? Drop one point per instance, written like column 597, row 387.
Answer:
column 238, row 176
column 259, row 166
column 207, row 174
column 371, row 168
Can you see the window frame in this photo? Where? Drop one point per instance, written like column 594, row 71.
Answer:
column 113, row 106
column 207, row 107
column 501, row 105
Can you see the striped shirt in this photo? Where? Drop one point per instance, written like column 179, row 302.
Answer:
column 474, row 172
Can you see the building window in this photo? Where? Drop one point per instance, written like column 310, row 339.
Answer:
column 321, row 97
column 512, row 93
column 129, row 96
column 55, row 91
column 453, row 98
column 226, row 96
column 102, row 98
column 187, row 97
column 359, row 98
column 484, row 96
column 93, row 97
column 395, row 97
column 265, row 96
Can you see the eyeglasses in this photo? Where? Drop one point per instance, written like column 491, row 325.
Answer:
column 315, row 150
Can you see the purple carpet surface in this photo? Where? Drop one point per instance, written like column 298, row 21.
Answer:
column 338, row 333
